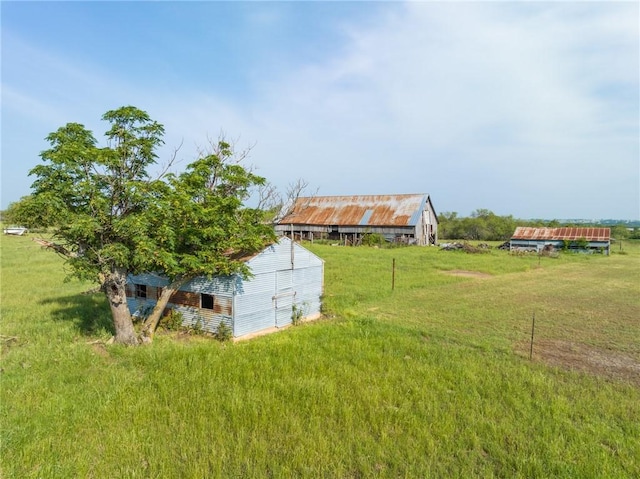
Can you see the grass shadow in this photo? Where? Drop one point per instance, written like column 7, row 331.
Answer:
column 90, row 312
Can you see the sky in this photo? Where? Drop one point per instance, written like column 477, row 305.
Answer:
column 530, row 109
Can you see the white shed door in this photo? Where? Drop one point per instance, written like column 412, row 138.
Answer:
column 284, row 297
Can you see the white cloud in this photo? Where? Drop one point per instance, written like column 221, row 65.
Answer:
column 483, row 105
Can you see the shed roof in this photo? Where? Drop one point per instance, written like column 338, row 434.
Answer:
column 359, row 210
column 589, row 234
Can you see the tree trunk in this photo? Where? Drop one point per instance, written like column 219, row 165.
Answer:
column 115, row 289
column 151, row 323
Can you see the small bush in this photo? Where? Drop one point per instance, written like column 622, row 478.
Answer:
column 197, row 328
column 223, row 332
column 296, row 314
column 373, row 239
column 172, row 321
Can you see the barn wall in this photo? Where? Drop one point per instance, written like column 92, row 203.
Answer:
column 253, row 304
column 267, row 299
column 187, row 299
column 538, row 245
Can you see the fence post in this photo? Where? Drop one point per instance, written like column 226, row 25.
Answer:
column 393, row 275
column 533, row 327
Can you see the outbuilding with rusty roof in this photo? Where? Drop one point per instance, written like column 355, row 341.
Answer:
column 408, row 218
column 286, row 283
column 536, row 239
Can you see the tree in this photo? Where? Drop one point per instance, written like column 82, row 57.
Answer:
column 32, row 212
column 276, row 205
column 210, row 228
column 116, row 220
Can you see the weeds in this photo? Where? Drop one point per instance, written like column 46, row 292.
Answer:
column 429, row 380
column 223, row 332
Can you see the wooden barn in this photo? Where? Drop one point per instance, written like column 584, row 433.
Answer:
column 403, row 218
column 286, row 280
column 536, row 239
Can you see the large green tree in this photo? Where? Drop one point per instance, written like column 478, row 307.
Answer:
column 115, row 219
column 204, row 229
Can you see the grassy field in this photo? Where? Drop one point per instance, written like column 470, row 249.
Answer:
column 432, row 379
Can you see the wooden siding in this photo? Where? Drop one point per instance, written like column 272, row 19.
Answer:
column 185, row 298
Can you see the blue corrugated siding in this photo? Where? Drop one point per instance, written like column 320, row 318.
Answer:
column 265, row 300
column 218, row 285
column 149, row 279
column 203, row 318
column 308, row 286
column 139, row 306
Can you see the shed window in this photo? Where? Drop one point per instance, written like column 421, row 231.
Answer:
column 141, row 291
column 206, row 301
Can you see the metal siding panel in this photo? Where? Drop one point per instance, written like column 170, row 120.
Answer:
column 284, row 297
column 207, row 318
column 308, row 287
column 260, row 283
column 254, row 309
column 304, row 258
column 149, row 279
column 365, row 218
column 416, row 217
column 217, row 285
column 137, row 304
column 277, row 256
column 248, row 323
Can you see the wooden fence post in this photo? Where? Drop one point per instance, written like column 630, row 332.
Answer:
column 393, row 274
column 533, row 327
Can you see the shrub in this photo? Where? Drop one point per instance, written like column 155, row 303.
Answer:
column 172, row 321
column 223, row 332
column 197, row 328
column 373, row 239
column 296, row 314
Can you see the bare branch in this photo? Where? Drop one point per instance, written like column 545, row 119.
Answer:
column 269, row 198
column 58, row 248
column 167, row 166
column 225, row 149
column 295, row 191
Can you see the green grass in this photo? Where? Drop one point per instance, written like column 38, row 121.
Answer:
column 431, row 379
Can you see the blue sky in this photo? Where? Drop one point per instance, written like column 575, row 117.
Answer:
column 529, row 109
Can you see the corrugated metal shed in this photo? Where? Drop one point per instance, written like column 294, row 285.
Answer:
column 284, row 276
column 535, row 239
column 570, row 234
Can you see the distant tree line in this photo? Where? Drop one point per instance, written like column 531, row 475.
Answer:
column 484, row 225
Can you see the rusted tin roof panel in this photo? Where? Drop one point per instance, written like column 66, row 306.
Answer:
column 589, row 234
column 363, row 210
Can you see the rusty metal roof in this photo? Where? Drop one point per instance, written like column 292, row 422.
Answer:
column 589, row 234
column 360, row 210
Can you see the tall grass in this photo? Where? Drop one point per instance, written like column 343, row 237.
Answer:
column 427, row 380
